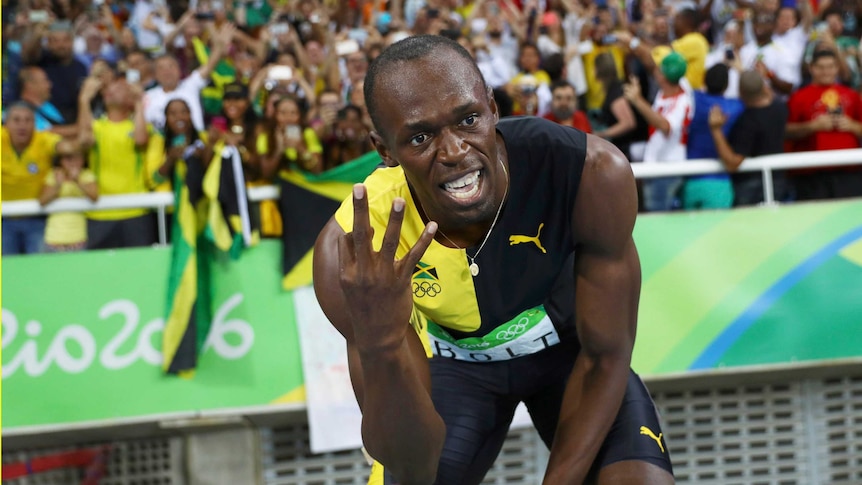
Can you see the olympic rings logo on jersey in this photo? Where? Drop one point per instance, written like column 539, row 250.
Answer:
column 426, row 288
column 513, row 330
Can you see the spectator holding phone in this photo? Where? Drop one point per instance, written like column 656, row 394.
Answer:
column 288, row 141
column 350, row 138
column 733, row 53
column 166, row 148
column 530, row 88
column 70, row 177
column 322, row 117
column 826, row 115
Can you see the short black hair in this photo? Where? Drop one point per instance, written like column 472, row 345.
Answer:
column 820, row 54
column 716, row 79
column 690, row 17
column 561, row 83
column 410, row 49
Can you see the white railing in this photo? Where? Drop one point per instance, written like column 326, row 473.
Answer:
column 160, row 201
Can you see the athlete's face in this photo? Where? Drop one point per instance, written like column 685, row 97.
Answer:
column 437, row 120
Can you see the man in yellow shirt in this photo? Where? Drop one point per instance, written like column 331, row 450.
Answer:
column 689, row 43
column 26, row 159
column 117, row 143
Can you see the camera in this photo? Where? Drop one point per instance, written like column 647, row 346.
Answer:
column 346, row 47
column 609, row 39
column 205, row 16
column 280, row 73
column 38, row 16
column 279, row 28
column 728, row 54
column 293, row 132
column 133, row 76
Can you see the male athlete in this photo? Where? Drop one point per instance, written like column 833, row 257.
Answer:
column 474, row 246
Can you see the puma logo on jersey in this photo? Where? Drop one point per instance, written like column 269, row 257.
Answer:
column 649, row 433
column 519, row 239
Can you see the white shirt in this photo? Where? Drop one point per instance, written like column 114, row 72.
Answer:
column 572, row 26
column 495, row 70
column 677, row 110
column 189, row 90
column 715, row 57
column 777, row 57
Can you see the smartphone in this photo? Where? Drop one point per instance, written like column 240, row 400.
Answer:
column 133, row 76
column 219, row 123
column 293, row 132
column 280, row 73
column 609, row 39
column 179, row 141
column 204, row 16
column 280, row 28
column 38, row 16
column 346, row 47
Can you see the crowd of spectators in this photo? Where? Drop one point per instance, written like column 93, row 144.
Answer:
column 128, row 86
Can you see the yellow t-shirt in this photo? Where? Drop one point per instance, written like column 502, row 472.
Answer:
column 595, row 95
column 24, row 173
column 118, row 165
column 693, row 47
column 67, row 227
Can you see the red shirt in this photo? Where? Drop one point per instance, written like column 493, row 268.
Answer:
column 813, row 101
column 579, row 120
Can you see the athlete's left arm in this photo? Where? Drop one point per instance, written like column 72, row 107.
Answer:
column 608, row 279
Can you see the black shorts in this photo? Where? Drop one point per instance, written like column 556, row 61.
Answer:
column 477, row 402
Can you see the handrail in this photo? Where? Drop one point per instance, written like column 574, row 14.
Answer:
column 160, row 201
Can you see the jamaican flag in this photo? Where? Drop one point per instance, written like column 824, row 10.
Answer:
column 306, row 204
column 210, row 218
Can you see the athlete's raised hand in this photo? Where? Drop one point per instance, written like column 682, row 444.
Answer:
column 375, row 284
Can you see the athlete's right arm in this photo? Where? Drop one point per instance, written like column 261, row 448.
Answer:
column 366, row 294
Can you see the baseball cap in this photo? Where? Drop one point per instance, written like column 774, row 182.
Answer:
column 671, row 63
column 235, row 91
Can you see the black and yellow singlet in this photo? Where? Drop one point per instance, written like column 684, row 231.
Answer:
column 522, row 300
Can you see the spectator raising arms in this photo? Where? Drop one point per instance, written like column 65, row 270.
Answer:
column 117, row 142
column 172, row 86
column 668, row 117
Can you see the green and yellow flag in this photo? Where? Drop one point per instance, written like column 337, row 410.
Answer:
column 307, row 203
column 210, row 217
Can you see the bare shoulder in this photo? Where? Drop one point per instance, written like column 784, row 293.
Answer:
column 607, row 201
column 605, row 161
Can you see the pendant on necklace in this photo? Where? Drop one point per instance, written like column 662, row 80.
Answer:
column 474, row 269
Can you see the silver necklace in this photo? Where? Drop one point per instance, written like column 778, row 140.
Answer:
column 474, row 268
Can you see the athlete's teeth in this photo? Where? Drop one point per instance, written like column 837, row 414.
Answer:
column 463, row 181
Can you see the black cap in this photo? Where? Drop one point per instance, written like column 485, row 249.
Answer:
column 235, row 91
